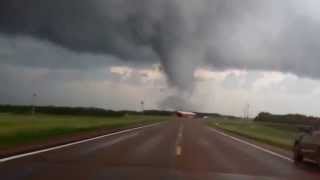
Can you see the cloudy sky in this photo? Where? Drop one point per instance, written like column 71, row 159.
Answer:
column 205, row 55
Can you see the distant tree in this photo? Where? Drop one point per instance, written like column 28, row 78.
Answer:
column 289, row 118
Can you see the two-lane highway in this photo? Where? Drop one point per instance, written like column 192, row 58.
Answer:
column 179, row 149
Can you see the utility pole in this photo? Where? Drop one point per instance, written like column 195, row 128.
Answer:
column 33, row 110
column 142, row 106
column 246, row 112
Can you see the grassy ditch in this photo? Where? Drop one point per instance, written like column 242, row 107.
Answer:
column 20, row 129
column 275, row 134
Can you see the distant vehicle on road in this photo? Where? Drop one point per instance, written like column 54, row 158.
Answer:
column 186, row 114
column 307, row 146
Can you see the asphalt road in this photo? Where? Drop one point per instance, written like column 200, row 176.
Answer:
column 179, row 149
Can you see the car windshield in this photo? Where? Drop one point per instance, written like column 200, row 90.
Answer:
column 159, row 89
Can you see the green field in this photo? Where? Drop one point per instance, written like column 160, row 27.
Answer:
column 276, row 134
column 19, row 129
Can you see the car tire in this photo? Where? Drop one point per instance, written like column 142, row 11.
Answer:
column 297, row 156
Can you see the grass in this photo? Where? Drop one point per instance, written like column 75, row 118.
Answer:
column 279, row 135
column 21, row 129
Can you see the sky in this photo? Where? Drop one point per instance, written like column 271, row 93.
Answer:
column 207, row 55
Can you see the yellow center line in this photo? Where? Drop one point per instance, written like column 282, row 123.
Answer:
column 178, row 143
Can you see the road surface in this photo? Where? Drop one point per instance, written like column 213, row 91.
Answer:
column 179, row 149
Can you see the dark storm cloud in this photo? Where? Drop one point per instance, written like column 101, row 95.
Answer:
column 181, row 34
column 295, row 49
column 141, row 30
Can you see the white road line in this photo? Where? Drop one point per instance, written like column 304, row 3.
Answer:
column 178, row 142
column 74, row 143
column 178, row 150
column 180, row 134
column 252, row 145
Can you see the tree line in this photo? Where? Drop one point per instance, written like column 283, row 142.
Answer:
column 83, row 111
column 289, row 119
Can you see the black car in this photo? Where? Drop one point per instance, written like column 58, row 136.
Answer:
column 307, row 146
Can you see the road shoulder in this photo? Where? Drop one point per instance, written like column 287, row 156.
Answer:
column 63, row 140
column 282, row 152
